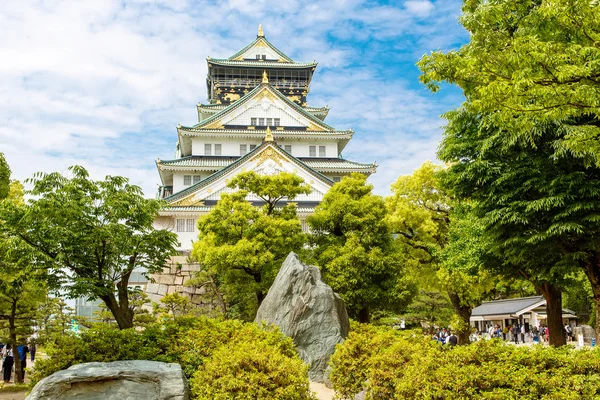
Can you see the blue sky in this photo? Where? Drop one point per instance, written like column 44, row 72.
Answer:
column 105, row 83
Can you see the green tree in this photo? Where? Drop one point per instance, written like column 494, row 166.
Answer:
column 354, row 247
column 4, row 177
column 529, row 65
column 175, row 305
column 22, row 288
column 53, row 318
column 92, row 234
column 270, row 188
column 445, row 241
column 539, row 207
column 242, row 246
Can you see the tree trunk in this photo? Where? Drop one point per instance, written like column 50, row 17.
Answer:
column 592, row 271
column 363, row 316
column 124, row 317
column 260, row 296
column 12, row 329
column 553, row 296
column 464, row 313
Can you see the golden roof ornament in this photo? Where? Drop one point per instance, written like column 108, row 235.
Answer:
column 265, row 77
column 260, row 31
column 269, row 135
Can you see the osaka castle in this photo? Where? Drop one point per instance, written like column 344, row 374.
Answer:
column 256, row 119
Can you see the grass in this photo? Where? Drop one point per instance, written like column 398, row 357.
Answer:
column 19, row 387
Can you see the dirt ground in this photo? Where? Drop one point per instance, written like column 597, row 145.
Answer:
column 322, row 391
column 12, row 396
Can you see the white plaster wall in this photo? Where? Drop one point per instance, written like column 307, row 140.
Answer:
column 178, row 179
column 268, row 109
column 260, row 48
column 231, row 147
column 185, row 239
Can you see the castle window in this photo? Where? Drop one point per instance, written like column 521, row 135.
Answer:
column 217, row 149
column 187, row 180
column 185, row 225
column 189, row 225
column 196, row 179
column 322, row 152
column 253, row 121
column 276, row 122
column 243, row 149
column 252, row 147
column 261, row 122
column 288, row 148
column 207, row 149
column 337, row 178
column 312, row 151
column 269, row 121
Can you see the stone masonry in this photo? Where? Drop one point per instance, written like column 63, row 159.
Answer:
column 172, row 279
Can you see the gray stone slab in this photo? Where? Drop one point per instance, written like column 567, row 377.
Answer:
column 119, row 380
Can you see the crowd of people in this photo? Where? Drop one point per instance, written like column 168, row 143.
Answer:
column 8, row 359
column 446, row 336
column 521, row 333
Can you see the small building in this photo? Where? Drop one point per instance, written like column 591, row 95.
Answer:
column 530, row 311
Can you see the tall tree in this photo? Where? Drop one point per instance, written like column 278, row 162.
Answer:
column 22, row 287
column 529, row 64
column 445, row 242
column 540, row 207
column 93, row 234
column 4, row 177
column 241, row 247
column 355, row 249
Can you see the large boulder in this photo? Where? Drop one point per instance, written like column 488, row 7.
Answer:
column 118, row 380
column 308, row 311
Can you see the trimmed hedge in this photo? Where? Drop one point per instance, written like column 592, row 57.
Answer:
column 390, row 365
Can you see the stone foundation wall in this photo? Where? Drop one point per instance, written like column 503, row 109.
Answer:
column 172, row 279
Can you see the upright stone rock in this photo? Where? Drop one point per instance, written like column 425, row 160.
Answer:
column 118, row 380
column 308, row 311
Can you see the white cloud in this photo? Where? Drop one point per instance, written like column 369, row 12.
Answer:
column 104, row 83
column 417, row 7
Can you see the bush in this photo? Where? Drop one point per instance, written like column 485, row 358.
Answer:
column 104, row 343
column 251, row 371
column 403, row 367
column 264, row 361
column 352, row 360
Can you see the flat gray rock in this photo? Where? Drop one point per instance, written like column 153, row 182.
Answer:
column 118, row 380
column 308, row 311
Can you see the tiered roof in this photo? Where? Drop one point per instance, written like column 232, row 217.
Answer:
column 259, row 149
column 221, row 120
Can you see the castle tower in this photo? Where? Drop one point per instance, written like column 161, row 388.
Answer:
column 256, row 119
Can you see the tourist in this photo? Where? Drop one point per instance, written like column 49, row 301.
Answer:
column 568, row 332
column 7, row 365
column 32, row 350
column 535, row 335
column 515, row 333
column 23, row 350
column 523, row 332
column 452, row 339
column 546, row 334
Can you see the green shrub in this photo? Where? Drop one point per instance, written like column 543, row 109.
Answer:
column 209, row 334
column 351, row 362
column 392, row 365
column 203, row 347
column 102, row 343
column 246, row 370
